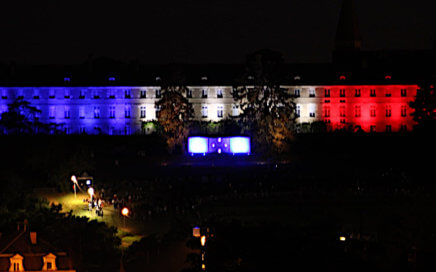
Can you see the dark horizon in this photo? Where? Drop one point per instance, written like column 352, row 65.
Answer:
column 198, row 32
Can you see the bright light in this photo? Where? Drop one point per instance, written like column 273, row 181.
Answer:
column 125, row 211
column 88, row 182
column 196, row 232
column 240, row 145
column 203, row 240
column 91, row 191
column 197, row 145
column 203, row 266
column 73, row 179
column 342, row 238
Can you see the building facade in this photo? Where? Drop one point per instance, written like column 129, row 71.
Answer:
column 123, row 110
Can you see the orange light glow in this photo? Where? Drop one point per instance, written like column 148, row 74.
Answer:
column 125, row 211
column 203, row 240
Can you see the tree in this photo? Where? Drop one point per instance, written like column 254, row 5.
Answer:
column 267, row 109
column 21, row 118
column 175, row 111
column 425, row 109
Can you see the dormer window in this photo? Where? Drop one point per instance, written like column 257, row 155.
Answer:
column 16, row 263
column 49, row 262
column 219, row 93
column 204, row 93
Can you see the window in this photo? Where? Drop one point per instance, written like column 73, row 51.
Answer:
column 388, row 128
column 204, row 93
column 403, row 92
column 297, row 92
column 96, row 112
column 67, row 94
column 67, row 112
column 327, row 92
column 388, row 111
column 219, row 93
column 49, row 266
column 82, row 130
column 67, row 131
column 143, row 112
column 143, row 94
column 95, row 94
column 403, row 128
column 372, row 111
column 82, row 112
column 372, row 93
column 298, row 111
column 403, row 111
column 111, row 94
column 127, row 111
column 357, row 111
column 357, row 92
column 189, row 93
column 112, row 112
column 219, row 111
column 17, row 267
column 342, row 92
column 388, row 93
column 235, row 110
column 127, row 93
column 127, row 130
column 311, row 93
column 326, row 111
column 343, row 121
column 203, row 111
column 372, row 129
column 342, row 112
column 35, row 94
column 158, row 93
column 51, row 94
column 52, row 112
column 82, row 94
column 312, row 114
column 158, row 108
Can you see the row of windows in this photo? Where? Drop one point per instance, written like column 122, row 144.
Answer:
column 357, row 111
column 127, row 112
column 357, row 93
column 372, row 128
column 95, row 94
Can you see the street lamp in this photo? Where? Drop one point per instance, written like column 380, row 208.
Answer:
column 125, row 212
column 74, row 180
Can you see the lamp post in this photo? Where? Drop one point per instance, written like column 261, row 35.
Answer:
column 125, row 212
column 74, row 180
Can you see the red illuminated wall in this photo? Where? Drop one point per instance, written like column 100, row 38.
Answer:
column 388, row 106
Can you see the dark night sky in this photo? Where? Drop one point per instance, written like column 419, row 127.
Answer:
column 202, row 31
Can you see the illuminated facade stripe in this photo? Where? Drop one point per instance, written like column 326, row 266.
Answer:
column 120, row 110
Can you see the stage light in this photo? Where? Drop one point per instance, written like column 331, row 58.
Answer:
column 197, row 145
column 240, row 145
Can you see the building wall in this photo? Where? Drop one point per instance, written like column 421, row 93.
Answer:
column 117, row 110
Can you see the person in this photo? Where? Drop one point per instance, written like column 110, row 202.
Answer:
column 89, row 206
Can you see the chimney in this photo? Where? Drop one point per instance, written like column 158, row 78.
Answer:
column 33, row 237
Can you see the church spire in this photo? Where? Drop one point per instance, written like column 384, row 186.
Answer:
column 348, row 32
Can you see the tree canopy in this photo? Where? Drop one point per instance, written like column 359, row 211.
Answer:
column 174, row 111
column 267, row 109
column 425, row 109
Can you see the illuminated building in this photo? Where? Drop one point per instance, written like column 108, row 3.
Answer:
column 25, row 251
column 358, row 90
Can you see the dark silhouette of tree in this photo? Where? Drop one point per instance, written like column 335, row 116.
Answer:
column 21, row 118
column 175, row 112
column 425, row 109
column 267, row 110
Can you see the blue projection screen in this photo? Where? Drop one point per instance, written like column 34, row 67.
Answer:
column 237, row 145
